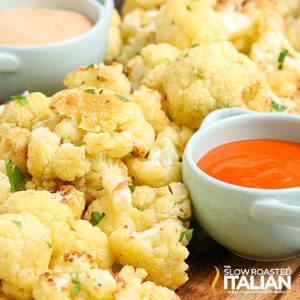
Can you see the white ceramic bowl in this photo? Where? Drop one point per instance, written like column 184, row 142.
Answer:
column 43, row 67
column 257, row 224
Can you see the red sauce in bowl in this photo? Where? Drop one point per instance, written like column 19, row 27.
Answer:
column 264, row 164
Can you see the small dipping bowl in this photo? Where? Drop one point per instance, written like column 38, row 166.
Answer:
column 42, row 67
column 257, row 224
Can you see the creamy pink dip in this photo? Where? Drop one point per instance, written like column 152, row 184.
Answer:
column 40, row 26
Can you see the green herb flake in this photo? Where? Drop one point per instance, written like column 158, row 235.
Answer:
column 18, row 223
column 15, row 176
column 91, row 91
column 185, row 220
column 180, row 159
column 186, row 55
column 195, row 45
column 92, row 66
column 96, row 217
column 77, row 286
column 188, row 234
column 122, row 98
column 49, row 245
column 278, row 107
column 188, row 8
column 132, row 188
column 281, row 58
column 21, row 99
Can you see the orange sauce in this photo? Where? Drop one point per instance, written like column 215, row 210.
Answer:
column 265, row 164
column 40, row 26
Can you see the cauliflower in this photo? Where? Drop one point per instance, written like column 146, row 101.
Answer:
column 84, row 237
column 184, row 23
column 26, row 114
column 179, row 135
column 106, row 112
column 109, row 76
column 274, row 54
column 293, row 28
column 157, row 250
column 24, row 253
column 149, row 67
column 4, row 187
column 76, row 279
column 138, row 30
column 130, row 5
column 131, row 285
column 169, row 202
column 73, row 198
column 150, row 103
column 161, row 167
column 13, row 145
column 211, row 77
column 114, row 37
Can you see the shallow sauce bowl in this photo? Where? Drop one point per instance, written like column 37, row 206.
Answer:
column 257, row 224
column 43, row 67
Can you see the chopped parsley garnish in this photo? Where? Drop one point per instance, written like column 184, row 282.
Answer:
column 15, row 176
column 122, row 98
column 92, row 66
column 18, row 223
column 195, row 45
column 21, row 99
column 278, row 107
column 186, row 55
column 185, row 220
column 91, row 91
column 180, row 159
column 188, row 234
column 281, row 58
column 188, row 8
column 132, row 188
column 96, row 217
column 77, row 285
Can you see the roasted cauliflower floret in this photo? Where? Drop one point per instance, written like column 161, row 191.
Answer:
column 149, row 67
column 138, row 30
column 26, row 113
column 161, row 167
column 70, row 162
column 100, row 76
column 274, row 54
column 169, row 202
column 179, row 135
column 14, row 144
column 84, row 237
column 106, row 112
column 130, row 5
column 24, row 253
column 150, row 103
column 131, row 285
column 157, row 250
column 210, row 77
column 92, row 284
column 184, row 23
column 75, row 199
column 114, row 37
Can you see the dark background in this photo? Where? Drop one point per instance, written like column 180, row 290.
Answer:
column 118, row 4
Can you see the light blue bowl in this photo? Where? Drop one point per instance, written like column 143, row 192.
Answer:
column 258, row 224
column 43, row 67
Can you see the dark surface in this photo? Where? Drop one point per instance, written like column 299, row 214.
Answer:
column 118, row 3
